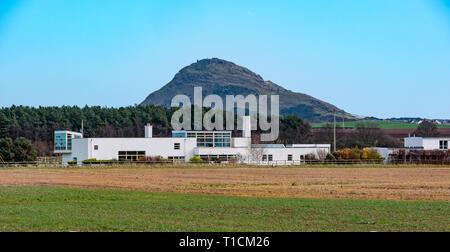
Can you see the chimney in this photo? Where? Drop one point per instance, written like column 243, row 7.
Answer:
column 148, row 131
column 247, row 127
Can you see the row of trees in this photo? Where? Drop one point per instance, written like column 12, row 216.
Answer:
column 38, row 124
column 19, row 150
column 365, row 135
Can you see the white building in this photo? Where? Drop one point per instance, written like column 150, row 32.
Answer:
column 429, row 143
column 182, row 146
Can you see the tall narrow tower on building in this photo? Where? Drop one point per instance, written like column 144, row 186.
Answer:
column 247, row 127
column 148, row 131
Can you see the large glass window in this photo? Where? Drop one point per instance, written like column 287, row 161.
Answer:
column 179, row 134
column 211, row 138
column 60, row 141
column 64, row 139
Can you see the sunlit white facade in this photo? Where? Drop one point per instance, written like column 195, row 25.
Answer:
column 427, row 143
column 183, row 145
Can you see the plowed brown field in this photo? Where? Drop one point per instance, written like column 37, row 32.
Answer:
column 429, row 184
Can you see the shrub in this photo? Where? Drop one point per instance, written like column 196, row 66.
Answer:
column 370, row 154
column 234, row 160
column 196, row 159
column 349, row 154
column 95, row 161
column 330, row 157
column 152, row 159
column 310, row 157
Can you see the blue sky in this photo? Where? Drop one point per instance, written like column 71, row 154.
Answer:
column 384, row 58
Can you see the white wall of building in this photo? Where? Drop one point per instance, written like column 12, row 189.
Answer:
column 108, row 148
column 241, row 142
column 278, row 154
column 432, row 143
column 281, row 154
column 413, row 142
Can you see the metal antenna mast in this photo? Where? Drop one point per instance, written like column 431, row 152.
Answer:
column 334, row 131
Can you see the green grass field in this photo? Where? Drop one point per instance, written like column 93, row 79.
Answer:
column 381, row 125
column 49, row 209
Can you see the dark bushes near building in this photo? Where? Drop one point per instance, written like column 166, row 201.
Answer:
column 436, row 157
column 330, row 157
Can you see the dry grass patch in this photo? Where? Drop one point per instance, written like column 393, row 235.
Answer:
column 424, row 184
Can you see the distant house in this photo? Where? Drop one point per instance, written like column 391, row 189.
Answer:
column 429, row 143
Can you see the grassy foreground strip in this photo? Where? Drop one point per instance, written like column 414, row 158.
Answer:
column 218, row 166
column 50, row 209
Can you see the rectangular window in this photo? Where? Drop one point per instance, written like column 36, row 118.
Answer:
column 270, row 158
column 179, row 135
column 176, row 159
column 176, row 146
column 95, row 147
column 131, row 155
column 443, row 145
column 264, row 158
column 211, row 139
column 289, row 157
column 69, row 141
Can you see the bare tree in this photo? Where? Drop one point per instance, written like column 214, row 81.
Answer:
column 322, row 154
column 427, row 129
column 239, row 158
column 256, row 154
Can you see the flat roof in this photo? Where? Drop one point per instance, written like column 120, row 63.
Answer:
column 308, row 146
column 68, row 131
column 427, row 137
column 268, row 146
column 201, row 131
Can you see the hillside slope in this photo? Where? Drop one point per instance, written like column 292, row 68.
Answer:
column 223, row 78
